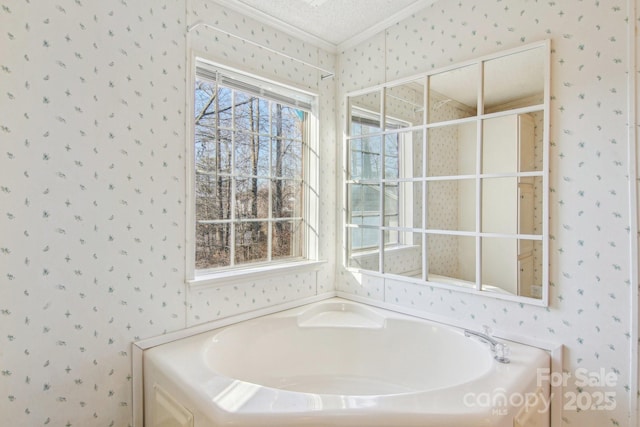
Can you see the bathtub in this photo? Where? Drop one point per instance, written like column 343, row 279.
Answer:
column 341, row 363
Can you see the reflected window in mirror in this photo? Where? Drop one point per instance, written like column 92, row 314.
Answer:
column 376, row 163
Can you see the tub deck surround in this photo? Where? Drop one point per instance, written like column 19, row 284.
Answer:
column 339, row 362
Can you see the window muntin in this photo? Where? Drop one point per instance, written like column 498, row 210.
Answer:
column 250, row 146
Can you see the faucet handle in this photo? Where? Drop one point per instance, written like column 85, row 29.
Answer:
column 502, row 352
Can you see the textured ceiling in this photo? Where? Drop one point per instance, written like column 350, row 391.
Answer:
column 333, row 21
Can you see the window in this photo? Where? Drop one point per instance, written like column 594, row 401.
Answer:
column 250, row 157
column 375, row 170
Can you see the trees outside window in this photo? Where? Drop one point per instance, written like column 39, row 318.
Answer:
column 249, row 165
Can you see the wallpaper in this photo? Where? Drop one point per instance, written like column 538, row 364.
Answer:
column 92, row 202
column 589, row 255
column 92, row 187
column 92, row 196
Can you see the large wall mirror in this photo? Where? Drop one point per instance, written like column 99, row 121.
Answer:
column 446, row 176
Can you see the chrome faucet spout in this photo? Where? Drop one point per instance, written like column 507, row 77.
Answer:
column 500, row 351
column 483, row 337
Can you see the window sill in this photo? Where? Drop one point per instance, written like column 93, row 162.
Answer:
column 371, row 253
column 232, row 277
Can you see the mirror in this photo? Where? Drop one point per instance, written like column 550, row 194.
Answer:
column 365, row 113
column 446, row 176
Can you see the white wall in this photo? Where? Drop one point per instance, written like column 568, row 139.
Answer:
column 92, row 196
column 589, row 251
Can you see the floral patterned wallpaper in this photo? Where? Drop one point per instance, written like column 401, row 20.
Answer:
column 589, row 256
column 91, row 200
column 92, row 186
column 92, row 195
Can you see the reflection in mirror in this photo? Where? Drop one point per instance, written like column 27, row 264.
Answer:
column 410, row 192
column 391, row 205
column 364, row 215
column 504, row 272
column 365, row 158
column 452, row 149
column 363, row 248
column 453, row 94
column 514, row 81
column 512, row 143
column 392, row 166
column 499, row 264
column 365, row 204
column 451, row 205
column 452, row 260
column 538, row 202
column 403, row 253
column 529, row 269
column 510, row 207
column 500, row 205
column 432, row 200
column 403, row 154
column 365, row 113
column 404, row 105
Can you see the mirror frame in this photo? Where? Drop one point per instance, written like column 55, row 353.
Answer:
column 424, row 180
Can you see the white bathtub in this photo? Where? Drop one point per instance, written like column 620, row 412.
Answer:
column 340, row 363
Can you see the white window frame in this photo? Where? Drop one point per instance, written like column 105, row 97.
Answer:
column 405, row 157
column 252, row 271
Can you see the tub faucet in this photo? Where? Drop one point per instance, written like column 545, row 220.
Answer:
column 500, row 351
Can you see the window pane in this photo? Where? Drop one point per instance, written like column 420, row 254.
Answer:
column 365, row 200
column 252, row 198
column 287, row 122
column 205, row 103
column 225, row 108
column 251, row 113
column 363, row 248
column 213, row 197
column 213, row 151
column 366, row 158
column 251, row 242
column 391, row 156
column 365, row 237
column 286, row 199
column 252, row 155
column 391, row 205
column 287, row 239
column 212, row 245
column 287, row 158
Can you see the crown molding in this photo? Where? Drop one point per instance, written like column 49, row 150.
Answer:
column 276, row 23
column 383, row 25
column 319, row 42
